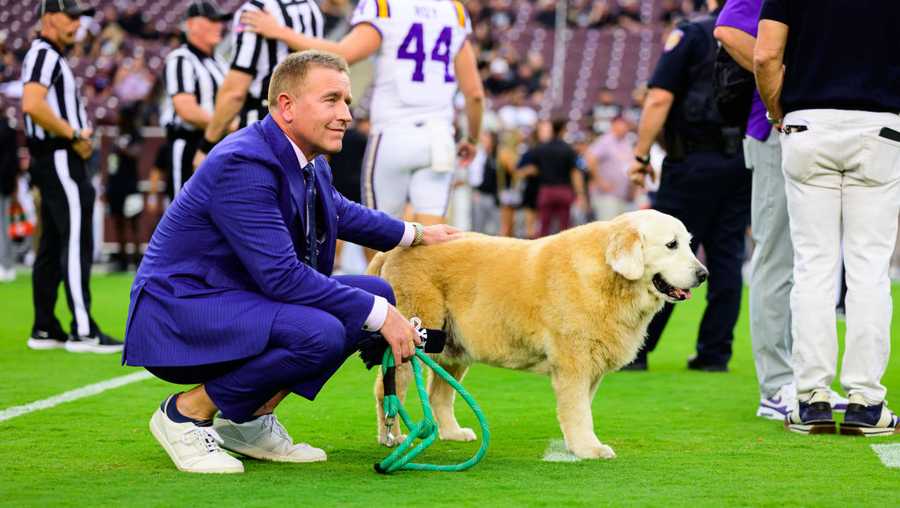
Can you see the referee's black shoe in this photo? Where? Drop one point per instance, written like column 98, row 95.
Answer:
column 45, row 339
column 97, row 343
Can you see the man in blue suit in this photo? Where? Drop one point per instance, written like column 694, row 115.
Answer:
column 235, row 291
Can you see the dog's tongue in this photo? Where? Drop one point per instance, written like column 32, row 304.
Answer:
column 683, row 294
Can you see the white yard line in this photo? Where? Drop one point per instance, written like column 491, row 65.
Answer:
column 888, row 453
column 78, row 393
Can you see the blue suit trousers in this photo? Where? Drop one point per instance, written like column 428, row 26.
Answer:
column 306, row 347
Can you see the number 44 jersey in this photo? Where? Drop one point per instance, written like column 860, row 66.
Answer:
column 414, row 73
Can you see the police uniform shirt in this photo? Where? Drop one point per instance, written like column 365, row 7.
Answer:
column 44, row 64
column 189, row 70
column 840, row 54
column 685, row 50
column 685, row 46
column 258, row 56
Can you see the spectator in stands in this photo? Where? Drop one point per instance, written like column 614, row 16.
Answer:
column 112, row 35
column 133, row 82
column 546, row 13
column 629, row 15
column 500, row 79
column 518, row 114
column 608, row 159
column 560, row 183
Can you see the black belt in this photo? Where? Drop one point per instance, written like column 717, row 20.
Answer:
column 182, row 133
column 39, row 147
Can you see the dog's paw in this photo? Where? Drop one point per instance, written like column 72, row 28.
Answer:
column 462, row 434
column 390, row 440
column 597, row 451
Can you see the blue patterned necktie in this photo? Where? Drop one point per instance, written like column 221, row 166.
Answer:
column 312, row 246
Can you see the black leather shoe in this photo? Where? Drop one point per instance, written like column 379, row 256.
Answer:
column 695, row 363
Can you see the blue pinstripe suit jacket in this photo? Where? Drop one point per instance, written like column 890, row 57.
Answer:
column 227, row 253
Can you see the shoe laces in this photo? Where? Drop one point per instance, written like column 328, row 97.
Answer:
column 206, row 436
column 272, row 423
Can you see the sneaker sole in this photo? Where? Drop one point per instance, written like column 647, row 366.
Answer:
column 811, row 428
column 92, row 348
column 158, row 434
column 856, row 430
column 258, row 454
column 45, row 344
column 770, row 414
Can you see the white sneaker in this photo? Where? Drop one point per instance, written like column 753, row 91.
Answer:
column 193, row 449
column 266, row 439
column 777, row 406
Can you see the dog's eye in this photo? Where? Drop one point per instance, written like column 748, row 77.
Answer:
column 672, row 245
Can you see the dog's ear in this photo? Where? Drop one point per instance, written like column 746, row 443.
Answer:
column 625, row 251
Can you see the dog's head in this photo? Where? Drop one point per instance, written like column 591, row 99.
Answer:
column 654, row 247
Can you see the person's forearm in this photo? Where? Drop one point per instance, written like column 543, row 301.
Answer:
column 474, row 115
column 768, row 64
column 653, row 117
column 769, row 80
column 738, row 43
column 41, row 114
column 192, row 113
column 229, row 102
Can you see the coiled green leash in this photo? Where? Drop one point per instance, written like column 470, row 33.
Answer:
column 427, row 429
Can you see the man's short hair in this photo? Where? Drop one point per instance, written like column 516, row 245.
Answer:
column 291, row 73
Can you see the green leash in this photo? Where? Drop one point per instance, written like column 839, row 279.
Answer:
column 427, row 429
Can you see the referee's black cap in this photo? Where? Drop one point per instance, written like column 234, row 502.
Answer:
column 73, row 8
column 206, row 9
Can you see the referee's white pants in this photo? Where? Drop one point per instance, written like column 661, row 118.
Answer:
column 842, row 180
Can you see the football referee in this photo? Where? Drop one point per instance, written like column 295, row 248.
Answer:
column 246, row 84
column 59, row 139
column 192, row 78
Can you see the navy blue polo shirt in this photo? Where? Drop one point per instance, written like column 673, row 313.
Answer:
column 840, row 54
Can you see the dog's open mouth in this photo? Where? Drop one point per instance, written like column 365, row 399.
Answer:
column 669, row 290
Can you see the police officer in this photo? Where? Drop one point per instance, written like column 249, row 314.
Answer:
column 192, row 78
column 703, row 181
column 837, row 104
column 59, row 139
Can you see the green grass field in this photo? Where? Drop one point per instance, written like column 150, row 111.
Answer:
column 682, row 438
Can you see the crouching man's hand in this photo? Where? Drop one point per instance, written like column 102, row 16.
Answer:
column 400, row 335
column 439, row 233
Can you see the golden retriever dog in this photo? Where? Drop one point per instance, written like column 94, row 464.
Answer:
column 574, row 305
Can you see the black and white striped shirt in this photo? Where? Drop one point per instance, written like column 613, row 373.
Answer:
column 189, row 70
column 44, row 64
column 258, row 56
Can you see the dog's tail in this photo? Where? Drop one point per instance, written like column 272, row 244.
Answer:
column 375, row 265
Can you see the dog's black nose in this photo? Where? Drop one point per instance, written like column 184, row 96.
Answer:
column 702, row 274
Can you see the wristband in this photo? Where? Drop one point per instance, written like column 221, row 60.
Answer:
column 206, row 145
column 76, row 135
column 643, row 160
